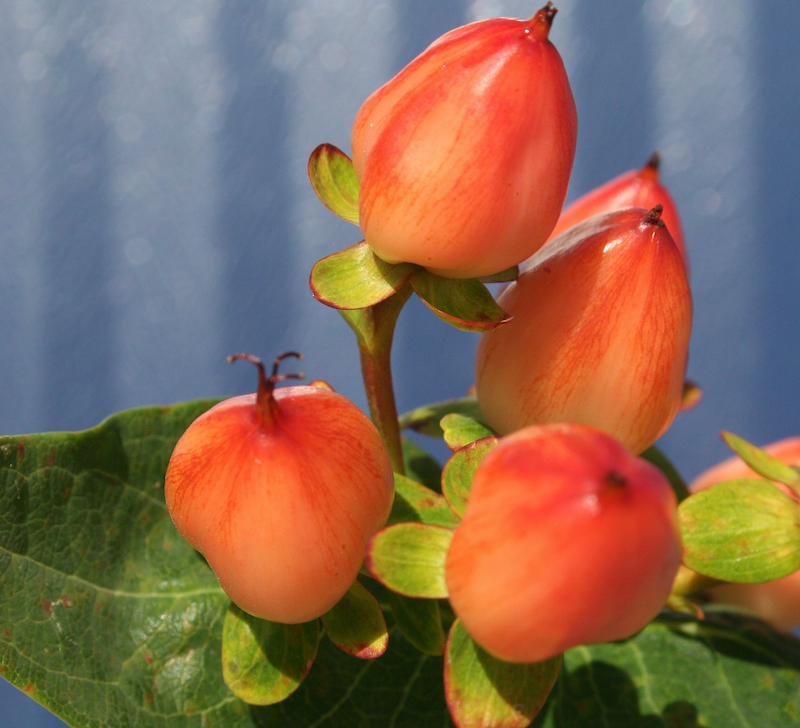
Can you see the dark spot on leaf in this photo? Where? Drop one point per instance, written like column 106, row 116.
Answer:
column 6, row 633
column 66, row 601
column 29, row 688
column 3, row 668
column 46, row 606
column 233, row 666
column 147, row 658
column 51, row 456
column 65, row 493
column 20, row 452
column 148, row 698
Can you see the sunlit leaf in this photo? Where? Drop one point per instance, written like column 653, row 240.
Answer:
column 426, row 419
column 460, row 430
column 409, row 558
column 414, row 502
column 356, row 278
column 459, row 471
column 356, row 624
column 265, row 662
column 742, row 530
column 464, row 303
column 484, row 692
column 761, row 461
column 334, row 180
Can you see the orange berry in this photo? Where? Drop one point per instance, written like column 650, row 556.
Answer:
column 600, row 335
column 464, row 156
column 636, row 188
column 567, row 539
column 281, row 491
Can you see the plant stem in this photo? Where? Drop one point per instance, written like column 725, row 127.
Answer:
column 374, row 330
column 689, row 583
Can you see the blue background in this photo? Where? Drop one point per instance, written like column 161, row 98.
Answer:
column 155, row 215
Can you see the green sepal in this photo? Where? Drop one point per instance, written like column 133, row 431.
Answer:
column 760, row 461
column 264, row 662
column 745, row 531
column 334, row 180
column 356, row 624
column 691, row 396
column 464, row 303
column 356, row 278
column 503, row 276
column 421, row 466
column 484, row 692
column 460, row 430
column 655, row 457
column 426, row 419
column 459, row 471
column 409, row 558
column 413, row 502
column 420, row 622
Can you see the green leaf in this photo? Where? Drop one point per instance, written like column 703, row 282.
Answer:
column 334, row 180
column 463, row 303
column 420, row 466
column 409, row 559
column 415, row 502
column 426, row 419
column 760, row 461
column 460, row 430
column 504, row 276
column 459, row 471
column 107, row 616
column 744, row 531
column 484, row 692
column 356, row 278
column 662, row 462
column 265, row 662
column 420, row 622
column 356, row 624
column 678, row 672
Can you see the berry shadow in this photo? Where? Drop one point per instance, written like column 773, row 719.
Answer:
column 600, row 694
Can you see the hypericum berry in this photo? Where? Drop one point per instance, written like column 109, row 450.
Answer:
column 636, row 188
column 600, row 334
column 280, row 491
column 464, row 156
column 777, row 602
column 568, row 539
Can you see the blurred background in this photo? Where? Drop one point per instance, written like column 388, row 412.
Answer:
column 155, row 213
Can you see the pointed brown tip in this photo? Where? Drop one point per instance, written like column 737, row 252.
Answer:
column 654, row 162
column 654, row 216
column 539, row 25
column 651, row 166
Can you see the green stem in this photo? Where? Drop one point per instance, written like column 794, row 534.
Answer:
column 689, row 583
column 374, row 330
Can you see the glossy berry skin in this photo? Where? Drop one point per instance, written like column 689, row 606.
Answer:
column 636, row 188
column 600, row 335
column 464, row 157
column 777, row 602
column 281, row 507
column 567, row 540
